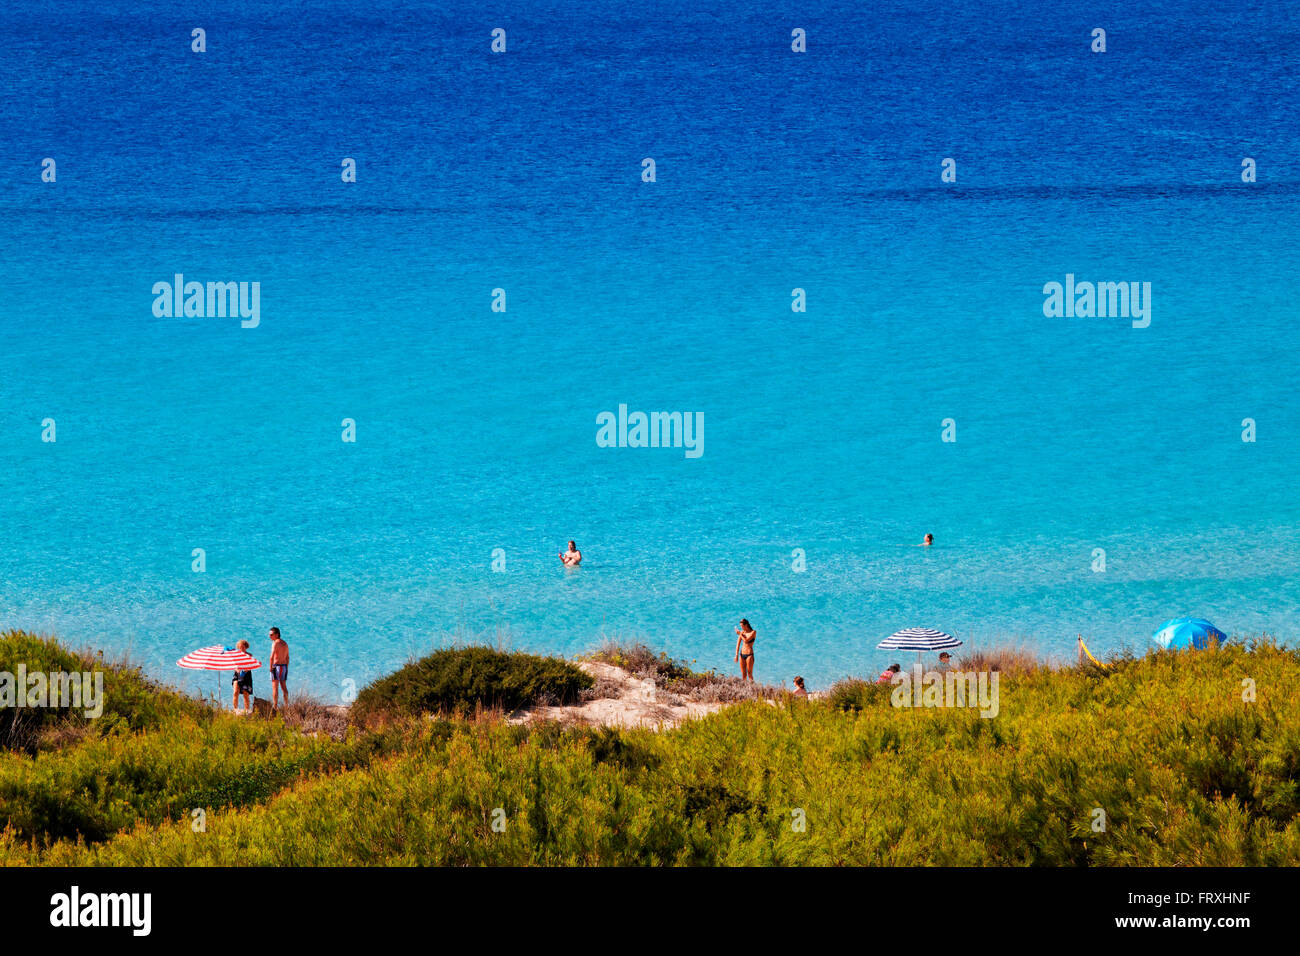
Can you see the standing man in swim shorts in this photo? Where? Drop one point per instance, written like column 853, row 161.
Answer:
column 279, row 669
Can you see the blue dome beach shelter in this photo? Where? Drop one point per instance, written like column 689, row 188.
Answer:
column 1188, row 632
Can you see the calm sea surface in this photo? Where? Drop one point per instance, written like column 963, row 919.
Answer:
column 476, row 430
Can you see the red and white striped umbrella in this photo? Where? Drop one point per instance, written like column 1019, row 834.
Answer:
column 217, row 658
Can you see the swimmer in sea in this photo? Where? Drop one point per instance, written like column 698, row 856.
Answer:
column 745, row 637
column 573, row 557
column 929, row 540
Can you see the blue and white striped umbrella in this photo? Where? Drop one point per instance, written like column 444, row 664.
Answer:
column 919, row 639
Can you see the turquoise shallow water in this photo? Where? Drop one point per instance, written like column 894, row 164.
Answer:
column 476, row 430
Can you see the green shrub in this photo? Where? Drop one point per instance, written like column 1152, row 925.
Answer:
column 643, row 663
column 855, row 694
column 1187, row 771
column 100, row 785
column 676, row 678
column 131, row 701
column 460, row 680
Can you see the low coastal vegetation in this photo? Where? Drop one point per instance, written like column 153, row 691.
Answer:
column 675, row 679
column 1187, row 758
column 465, row 679
column 130, row 700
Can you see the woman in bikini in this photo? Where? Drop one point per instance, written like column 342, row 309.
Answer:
column 745, row 637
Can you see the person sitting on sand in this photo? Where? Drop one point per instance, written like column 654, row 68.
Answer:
column 945, row 662
column 279, row 669
column 243, row 684
column 888, row 673
column 799, row 689
column 928, row 540
column 573, row 557
column 745, row 638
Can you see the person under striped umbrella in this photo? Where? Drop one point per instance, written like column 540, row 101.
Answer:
column 218, row 658
column 919, row 639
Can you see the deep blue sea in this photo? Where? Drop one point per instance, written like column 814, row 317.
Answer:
column 523, row 171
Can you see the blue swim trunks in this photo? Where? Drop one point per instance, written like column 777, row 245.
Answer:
column 280, row 672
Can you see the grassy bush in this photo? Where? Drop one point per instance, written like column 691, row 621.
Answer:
column 855, row 693
column 100, row 785
column 131, row 700
column 643, row 663
column 469, row 678
column 308, row 715
column 1007, row 660
column 676, row 678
